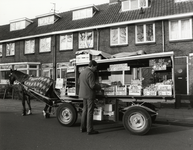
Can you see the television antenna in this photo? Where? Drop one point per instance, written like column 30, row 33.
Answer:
column 54, row 7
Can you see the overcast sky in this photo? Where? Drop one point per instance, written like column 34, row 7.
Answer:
column 16, row 9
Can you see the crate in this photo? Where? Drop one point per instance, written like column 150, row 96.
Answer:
column 98, row 114
column 135, row 90
column 82, row 58
column 121, row 90
column 110, row 90
column 149, row 93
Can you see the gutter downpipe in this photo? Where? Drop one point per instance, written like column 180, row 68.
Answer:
column 97, row 31
column 54, row 57
column 163, row 36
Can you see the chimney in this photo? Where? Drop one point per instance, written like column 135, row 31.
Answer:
column 113, row 1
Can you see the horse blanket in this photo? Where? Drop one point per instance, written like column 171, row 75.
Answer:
column 39, row 84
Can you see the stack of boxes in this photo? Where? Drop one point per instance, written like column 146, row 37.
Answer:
column 150, row 91
column 165, row 90
column 87, row 55
column 135, row 88
column 104, row 113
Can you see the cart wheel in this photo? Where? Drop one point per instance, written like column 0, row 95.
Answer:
column 137, row 121
column 66, row 114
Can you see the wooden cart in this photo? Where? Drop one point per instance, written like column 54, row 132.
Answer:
column 135, row 83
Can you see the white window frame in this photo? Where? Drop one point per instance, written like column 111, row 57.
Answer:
column 17, row 25
column 66, row 43
column 179, row 30
column 82, row 13
column 144, row 33
column 46, row 20
column 129, row 7
column 178, row 1
column 86, row 43
column 29, row 47
column 11, row 50
column 45, row 45
column 119, row 42
column 1, row 50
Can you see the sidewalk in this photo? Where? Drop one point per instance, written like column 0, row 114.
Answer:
column 181, row 116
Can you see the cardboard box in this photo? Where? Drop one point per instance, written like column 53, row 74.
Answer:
column 121, row 90
column 149, row 93
column 109, row 113
column 108, row 107
column 98, row 114
column 110, row 90
column 164, row 87
column 82, row 58
column 135, row 90
column 165, row 93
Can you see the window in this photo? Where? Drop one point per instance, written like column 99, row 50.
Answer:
column 19, row 24
column 182, row 0
column 29, row 46
column 83, row 13
column 66, row 42
column 47, row 19
column 86, row 40
column 119, row 36
column 10, row 49
column 180, row 29
column 1, row 50
column 134, row 4
column 145, row 33
column 45, row 44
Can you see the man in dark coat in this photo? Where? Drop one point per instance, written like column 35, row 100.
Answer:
column 87, row 91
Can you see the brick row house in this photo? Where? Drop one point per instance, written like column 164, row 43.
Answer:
column 46, row 44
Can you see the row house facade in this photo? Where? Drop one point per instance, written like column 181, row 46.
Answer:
column 45, row 45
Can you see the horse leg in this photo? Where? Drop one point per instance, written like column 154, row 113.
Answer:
column 45, row 111
column 24, row 108
column 29, row 105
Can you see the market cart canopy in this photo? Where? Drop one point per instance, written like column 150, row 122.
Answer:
column 126, row 54
column 94, row 52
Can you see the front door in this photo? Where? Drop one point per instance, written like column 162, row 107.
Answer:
column 181, row 75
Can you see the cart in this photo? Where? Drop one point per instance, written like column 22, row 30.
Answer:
column 136, row 83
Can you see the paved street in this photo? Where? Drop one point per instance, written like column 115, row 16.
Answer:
column 36, row 133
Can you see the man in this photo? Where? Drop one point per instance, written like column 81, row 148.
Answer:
column 87, row 89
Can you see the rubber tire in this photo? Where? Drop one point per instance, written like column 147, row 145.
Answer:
column 68, row 111
column 141, row 115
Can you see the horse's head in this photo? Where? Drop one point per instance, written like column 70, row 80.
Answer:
column 17, row 75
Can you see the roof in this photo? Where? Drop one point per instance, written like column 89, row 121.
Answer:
column 107, row 16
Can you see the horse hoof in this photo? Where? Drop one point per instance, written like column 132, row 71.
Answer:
column 29, row 112
column 44, row 113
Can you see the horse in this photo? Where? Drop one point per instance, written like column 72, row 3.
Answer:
column 43, row 86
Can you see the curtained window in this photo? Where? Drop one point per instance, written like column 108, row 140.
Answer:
column 119, row 36
column 145, row 33
column 180, row 29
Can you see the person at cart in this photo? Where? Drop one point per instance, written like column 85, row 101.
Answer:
column 87, row 91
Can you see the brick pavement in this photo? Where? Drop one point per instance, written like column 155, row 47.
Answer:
column 166, row 115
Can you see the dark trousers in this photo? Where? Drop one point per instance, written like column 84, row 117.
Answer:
column 87, row 114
